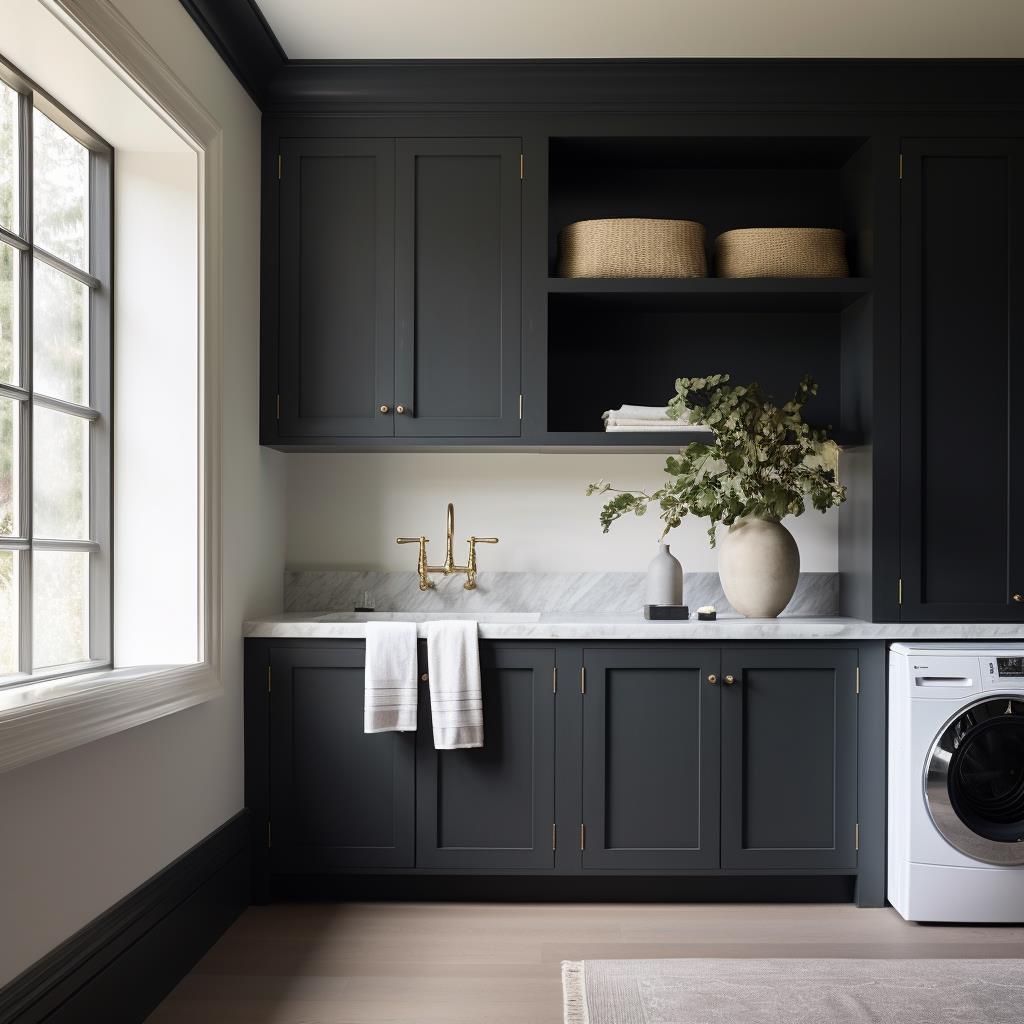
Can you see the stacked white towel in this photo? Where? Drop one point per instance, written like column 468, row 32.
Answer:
column 389, row 697
column 641, row 418
column 456, row 701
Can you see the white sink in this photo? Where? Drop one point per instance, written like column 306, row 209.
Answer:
column 481, row 616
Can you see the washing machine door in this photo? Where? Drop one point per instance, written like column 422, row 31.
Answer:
column 974, row 781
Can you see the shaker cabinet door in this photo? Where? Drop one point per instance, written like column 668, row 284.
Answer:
column 651, row 758
column 336, row 305
column 789, row 758
column 338, row 798
column 962, row 382
column 458, row 288
column 492, row 808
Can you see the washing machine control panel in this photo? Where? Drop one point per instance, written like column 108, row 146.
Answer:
column 1009, row 668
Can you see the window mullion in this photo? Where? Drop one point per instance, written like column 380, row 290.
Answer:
column 26, row 225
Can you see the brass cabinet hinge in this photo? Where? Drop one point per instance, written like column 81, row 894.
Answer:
column 899, row 591
column 554, row 836
column 269, row 676
column 280, row 166
column 554, row 680
column 901, row 167
column 583, row 836
column 583, row 679
column 522, row 165
column 856, row 836
column 520, row 406
column 278, row 406
column 857, row 688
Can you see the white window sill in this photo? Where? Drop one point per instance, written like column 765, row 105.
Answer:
column 44, row 717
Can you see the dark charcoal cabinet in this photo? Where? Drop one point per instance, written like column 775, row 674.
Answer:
column 789, row 758
column 493, row 808
column 458, row 297
column 963, row 381
column 338, row 798
column 651, row 758
column 335, row 355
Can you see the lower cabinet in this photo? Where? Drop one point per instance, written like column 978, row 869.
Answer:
column 650, row 758
column 789, row 758
column 665, row 758
column 338, row 798
column 492, row 808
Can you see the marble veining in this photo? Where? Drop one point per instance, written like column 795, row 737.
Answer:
column 565, row 593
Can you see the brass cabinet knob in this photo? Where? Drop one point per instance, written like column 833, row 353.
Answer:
column 729, row 680
column 712, row 679
column 1019, row 598
column 401, row 410
column 424, row 677
column 384, row 408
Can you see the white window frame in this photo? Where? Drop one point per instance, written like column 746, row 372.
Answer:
column 33, row 102
column 45, row 717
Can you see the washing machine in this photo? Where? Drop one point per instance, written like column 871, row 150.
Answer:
column 956, row 782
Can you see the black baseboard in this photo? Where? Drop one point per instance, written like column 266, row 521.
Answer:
column 121, row 965
column 569, row 888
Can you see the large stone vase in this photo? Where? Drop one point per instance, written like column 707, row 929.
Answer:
column 759, row 565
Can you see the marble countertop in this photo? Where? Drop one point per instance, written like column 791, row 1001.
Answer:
column 550, row 626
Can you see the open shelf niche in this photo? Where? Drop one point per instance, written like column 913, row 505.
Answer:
column 615, row 341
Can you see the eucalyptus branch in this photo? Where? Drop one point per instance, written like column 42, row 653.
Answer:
column 765, row 460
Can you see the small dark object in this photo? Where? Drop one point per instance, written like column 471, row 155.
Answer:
column 707, row 616
column 666, row 611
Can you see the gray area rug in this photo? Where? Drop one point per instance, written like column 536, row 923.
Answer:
column 699, row 991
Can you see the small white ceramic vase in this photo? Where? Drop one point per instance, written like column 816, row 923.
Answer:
column 664, row 578
column 759, row 566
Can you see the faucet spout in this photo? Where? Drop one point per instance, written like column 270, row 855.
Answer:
column 449, row 550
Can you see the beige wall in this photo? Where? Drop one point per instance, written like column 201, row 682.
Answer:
column 82, row 829
column 346, row 510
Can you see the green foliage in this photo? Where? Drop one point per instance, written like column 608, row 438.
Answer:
column 765, row 460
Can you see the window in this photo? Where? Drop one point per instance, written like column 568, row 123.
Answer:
column 55, row 387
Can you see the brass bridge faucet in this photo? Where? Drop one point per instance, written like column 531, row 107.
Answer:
column 449, row 568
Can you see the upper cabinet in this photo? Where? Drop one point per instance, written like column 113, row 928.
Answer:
column 457, row 352
column 962, row 381
column 336, row 331
column 394, row 291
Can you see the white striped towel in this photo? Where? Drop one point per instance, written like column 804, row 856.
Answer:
column 389, row 694
column 456, row 701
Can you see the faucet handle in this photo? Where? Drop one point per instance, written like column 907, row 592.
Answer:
column 483, row 540
column 411, row 540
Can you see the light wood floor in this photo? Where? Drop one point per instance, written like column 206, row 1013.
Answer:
column 475, row 963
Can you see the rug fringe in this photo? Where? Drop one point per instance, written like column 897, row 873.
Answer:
column 574, row 992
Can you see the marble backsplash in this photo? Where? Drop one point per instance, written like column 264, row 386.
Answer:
column 570, row 593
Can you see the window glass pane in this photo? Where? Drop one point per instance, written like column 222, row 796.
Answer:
column 8, row 157
column 60, row 192
column 60, row 608
column 60, row 335
column 60, row 480
column 10, row 347
column 10, row 452
column 9, row 620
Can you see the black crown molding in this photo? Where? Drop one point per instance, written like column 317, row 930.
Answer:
column 241, row 35
column 238, row 31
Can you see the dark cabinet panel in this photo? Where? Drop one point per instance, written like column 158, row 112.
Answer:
column 962, row 379
column 336, row 330
column 789, row 758
column 338, row 798
column 493, row 807
column 458, row 288
column 651, row 758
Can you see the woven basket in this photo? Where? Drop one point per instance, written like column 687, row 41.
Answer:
column 781, row 252
column 632, row 247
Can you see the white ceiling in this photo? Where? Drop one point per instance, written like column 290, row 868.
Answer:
column 434, row 29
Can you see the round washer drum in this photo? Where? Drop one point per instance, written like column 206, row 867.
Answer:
column 974, row 781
